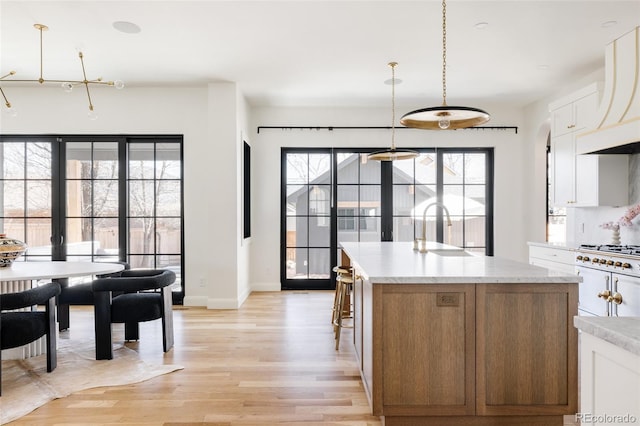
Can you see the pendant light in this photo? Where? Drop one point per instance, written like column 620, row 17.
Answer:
column 445, row 117
column 393, row 153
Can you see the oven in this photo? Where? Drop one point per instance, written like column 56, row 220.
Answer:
column 611, row 280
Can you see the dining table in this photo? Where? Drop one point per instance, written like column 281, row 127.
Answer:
column 23, row 275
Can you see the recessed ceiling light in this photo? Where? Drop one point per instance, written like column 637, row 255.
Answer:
column 609, row 24
column 481, row 25
column 126, row 27
column 390, row 81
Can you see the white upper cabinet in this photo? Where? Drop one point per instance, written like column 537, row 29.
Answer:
column 574, row 112
column 583, row 180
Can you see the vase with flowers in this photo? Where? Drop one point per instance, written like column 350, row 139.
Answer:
column 626, row 220
column 615, row 227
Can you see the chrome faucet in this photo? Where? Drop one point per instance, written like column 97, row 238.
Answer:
column 421, row 244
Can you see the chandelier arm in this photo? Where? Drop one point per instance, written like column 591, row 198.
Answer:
column 7, row 75
column 85, row 81
column 86, row 85
column 6, row 101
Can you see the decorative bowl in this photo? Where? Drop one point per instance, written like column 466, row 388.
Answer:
column 10, row 250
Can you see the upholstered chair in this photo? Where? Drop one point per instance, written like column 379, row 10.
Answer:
column 146, row 297
column 18, row 328
column 77, row 294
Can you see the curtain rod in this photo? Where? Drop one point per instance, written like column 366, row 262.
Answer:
column 331, row 128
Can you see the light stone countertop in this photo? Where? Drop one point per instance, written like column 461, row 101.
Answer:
column 623, row 332
column 563, row 246
column 397, row 263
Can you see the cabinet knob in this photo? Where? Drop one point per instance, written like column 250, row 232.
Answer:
column 626, row 265
column 604, row 295
column 616, row 298
column 571, row 126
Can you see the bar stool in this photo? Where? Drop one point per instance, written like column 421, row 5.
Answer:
column 342, row 302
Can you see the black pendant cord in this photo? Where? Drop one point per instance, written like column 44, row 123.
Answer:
column 331, row 128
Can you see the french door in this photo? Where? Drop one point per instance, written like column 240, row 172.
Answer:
column 337, row 195
column 98, row 198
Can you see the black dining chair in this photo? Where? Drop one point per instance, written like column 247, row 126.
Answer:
column 77, row 295
column 18, row 328
column 146, row 296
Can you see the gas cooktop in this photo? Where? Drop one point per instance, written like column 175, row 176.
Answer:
column 632, row 250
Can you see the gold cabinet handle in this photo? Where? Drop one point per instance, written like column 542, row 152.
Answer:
column 604, row 295
column 616, row 298
column 571, row 126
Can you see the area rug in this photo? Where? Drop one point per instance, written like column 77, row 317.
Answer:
column 26, row 385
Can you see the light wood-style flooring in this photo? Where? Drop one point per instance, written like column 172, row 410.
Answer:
column 270, row 362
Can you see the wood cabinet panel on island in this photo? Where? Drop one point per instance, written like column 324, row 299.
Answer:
column 463, row 348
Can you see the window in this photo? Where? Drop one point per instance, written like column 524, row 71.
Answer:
column 337, row 195
column 26, row 193
column 459, row 179
column 95, row 198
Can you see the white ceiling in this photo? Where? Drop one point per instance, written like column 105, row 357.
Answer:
column 331, row 52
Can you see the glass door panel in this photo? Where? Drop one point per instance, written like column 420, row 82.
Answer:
column 414, row 188
column 26, row 195
column 358, row 200
column 92, row 201
column 154, row 200
column 464, row 192
column 307, row 227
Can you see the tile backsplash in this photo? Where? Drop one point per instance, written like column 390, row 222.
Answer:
column 585, row 223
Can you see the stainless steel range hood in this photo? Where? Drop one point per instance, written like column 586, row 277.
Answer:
column 617, row 124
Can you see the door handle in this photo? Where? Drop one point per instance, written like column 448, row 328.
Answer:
column 51, row 239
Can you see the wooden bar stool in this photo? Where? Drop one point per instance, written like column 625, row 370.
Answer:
column 342, row 302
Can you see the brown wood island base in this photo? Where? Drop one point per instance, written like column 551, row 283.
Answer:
column 487, row 353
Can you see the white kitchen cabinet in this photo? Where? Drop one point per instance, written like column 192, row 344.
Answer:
column 583, row 180
column 557, row 258
column 575, row 112
column 609, row 383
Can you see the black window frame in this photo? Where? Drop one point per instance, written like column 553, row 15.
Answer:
column 58, row 191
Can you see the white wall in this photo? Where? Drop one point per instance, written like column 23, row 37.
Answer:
column 510, row 236
column 212, row 119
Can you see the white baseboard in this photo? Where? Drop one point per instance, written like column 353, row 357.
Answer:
column 195, row 301
column 228, row 303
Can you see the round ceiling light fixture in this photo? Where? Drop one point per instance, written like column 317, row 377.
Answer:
column 445, row 117
column 393, row 153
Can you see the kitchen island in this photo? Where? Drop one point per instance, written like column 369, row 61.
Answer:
column 450, row 338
